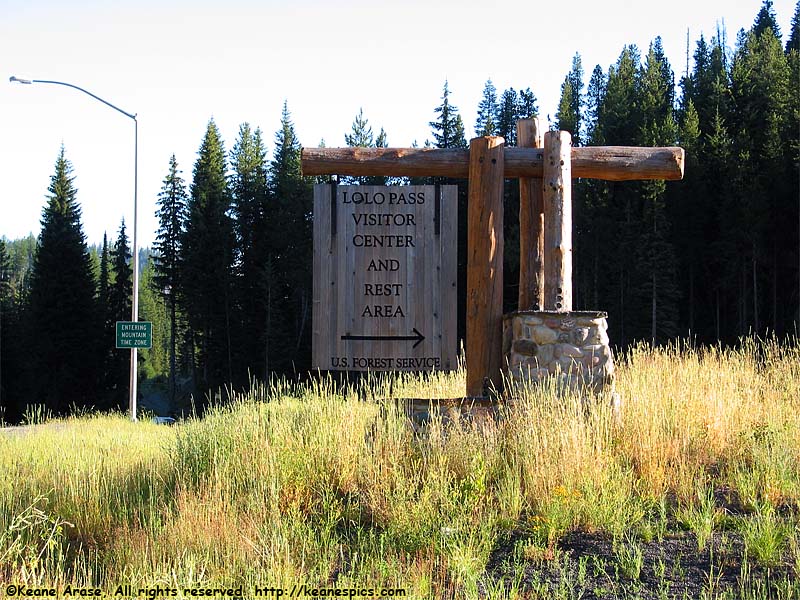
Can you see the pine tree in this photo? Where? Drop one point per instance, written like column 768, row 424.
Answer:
column 595, row 94
column 619, row 111
column 154, row 362
column 5, row 310
column 206, row 269
column 620, row 121
column 760, row 90
column 569, row 108
column 508, row 116
column 382, row 141
column 121, row 290
column 487, row 121
column 361, row 135
column 526, row 107
column 104, row 282
column 62, row 307
column 566, row 119
column 250, row 200
column 448, row 132
column 106, row 346
column 766, row 20
column 291, row 254
column 591, row 218
column 794, row 37
column 448, row 129
column 166, row 279
column 793, row 126
column 16, row 259
column 691, row 220
column 656, row 269
column 119, row 309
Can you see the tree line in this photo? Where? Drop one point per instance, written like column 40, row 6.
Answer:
column 228, row 285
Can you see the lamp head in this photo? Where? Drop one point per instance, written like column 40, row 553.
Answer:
column 20, row 80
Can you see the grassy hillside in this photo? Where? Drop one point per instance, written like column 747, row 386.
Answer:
column 693, row 492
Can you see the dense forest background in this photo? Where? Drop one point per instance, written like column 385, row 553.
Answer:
column 228, row 285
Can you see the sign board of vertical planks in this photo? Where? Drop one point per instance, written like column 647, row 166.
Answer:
column 546, row 280
column 384, row 278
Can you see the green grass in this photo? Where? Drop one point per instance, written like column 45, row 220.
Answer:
column 308, row 484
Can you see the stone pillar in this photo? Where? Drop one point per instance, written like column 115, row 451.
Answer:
column 571, row 346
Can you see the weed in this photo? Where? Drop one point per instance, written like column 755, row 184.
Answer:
column 629, row 557
column 701, row 517
column 765, row 536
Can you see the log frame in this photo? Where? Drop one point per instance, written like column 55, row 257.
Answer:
column 484, row 343
column 557, row 194
column 531, row 224
column 612, row 163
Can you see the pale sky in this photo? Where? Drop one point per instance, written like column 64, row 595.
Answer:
column 178, row 63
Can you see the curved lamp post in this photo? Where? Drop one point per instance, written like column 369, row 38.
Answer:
column 135, row 307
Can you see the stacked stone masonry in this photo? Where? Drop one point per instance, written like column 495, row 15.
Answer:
column 570, row 346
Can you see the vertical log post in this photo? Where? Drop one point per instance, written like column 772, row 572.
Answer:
column 484, row 345
column 557, row 192
column 531, row 224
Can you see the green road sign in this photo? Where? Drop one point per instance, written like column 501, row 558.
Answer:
column 138, row 334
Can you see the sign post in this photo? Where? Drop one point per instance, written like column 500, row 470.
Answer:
column 384, row 278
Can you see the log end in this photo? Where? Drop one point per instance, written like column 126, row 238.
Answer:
column 680, row 158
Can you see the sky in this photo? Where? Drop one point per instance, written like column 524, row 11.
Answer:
column 177, row 63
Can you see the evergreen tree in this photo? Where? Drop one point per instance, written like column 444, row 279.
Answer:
column 287, row 274
column 657, row 268
column 508, row 116
column 691, row 220
column 16, row 377
column 526, row 107
column 250, row 200
column 382, row 141
column 592, row 222
column 119, row 309
column 361, row 136
column 62, row 308
column 154, row 362
column 566, row 119
column 448, row 132
column 569, row 111
column 619, row 121
column 794, row 37
column 206, row 268
column 760, row 91
column 448, row 128
column 5, row 310
column 166, row 278
column 766, row 20
column 107, row 342
column 793, row 126
column 595, row 93
column 619, row 112
column 487, row 121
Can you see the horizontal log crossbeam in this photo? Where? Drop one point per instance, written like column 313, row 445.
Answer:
column 611, row 163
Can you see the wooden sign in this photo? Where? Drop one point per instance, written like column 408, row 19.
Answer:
column 487, row 163
column 385, row 278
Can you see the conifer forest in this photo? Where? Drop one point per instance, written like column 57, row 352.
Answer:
column 228, row 281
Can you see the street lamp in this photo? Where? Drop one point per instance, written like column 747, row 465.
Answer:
column 135, row 307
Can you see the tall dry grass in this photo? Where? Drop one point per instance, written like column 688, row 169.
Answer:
column 312, row 484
